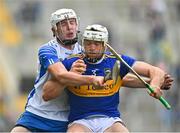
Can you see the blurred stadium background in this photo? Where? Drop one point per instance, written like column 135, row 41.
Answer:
column 146, row 29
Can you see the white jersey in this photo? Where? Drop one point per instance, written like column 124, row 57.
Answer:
column 56, row 109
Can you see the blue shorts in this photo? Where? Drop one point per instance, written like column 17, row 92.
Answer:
column 35, row 123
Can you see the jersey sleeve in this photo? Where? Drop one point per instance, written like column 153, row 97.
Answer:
column 67, row 62
column 124, row 69
column 47, row 56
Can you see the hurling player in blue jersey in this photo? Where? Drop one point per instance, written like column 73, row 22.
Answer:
column 95, row 109
column 52, row 116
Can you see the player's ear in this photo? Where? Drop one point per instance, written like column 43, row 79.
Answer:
column 53, row 30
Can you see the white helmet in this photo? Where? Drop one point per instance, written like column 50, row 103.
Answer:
column 62, row 14
column 95, row 32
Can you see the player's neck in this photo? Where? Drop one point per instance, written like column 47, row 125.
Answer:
column 70, row 47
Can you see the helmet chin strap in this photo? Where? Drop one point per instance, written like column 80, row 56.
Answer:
column 70, row 41
column 67, row 42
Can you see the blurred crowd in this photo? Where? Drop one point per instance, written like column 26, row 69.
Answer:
column 146, row 29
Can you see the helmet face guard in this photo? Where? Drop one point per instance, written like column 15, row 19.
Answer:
column 60, row 15
column 95, row 33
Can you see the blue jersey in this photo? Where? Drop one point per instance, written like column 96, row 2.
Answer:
column 85, row 100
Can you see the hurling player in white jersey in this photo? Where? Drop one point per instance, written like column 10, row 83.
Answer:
column 51, row 116
column 89, row 112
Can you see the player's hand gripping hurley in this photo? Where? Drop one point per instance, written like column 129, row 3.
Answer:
column 150, row 88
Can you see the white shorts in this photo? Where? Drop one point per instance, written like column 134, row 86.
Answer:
column 97, row 123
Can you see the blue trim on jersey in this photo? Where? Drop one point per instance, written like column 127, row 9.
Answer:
column 30, row 95
column 42, row 72
column 35, row 123
column 47, row 56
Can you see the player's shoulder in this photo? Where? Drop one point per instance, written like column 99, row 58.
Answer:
column 109, row 55
column 51, row 44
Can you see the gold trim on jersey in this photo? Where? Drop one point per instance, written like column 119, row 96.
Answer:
column 110, row 56
column 90, row 91
column 80, row 55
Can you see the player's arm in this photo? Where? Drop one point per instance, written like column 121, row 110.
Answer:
column 52, row 88
column 70, row 78
column 155, row 74
column 130, row 80
column 49, row 60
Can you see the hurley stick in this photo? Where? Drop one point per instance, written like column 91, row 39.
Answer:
column 151, row 89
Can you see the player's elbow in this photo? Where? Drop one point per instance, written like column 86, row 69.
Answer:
column 45, row 97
